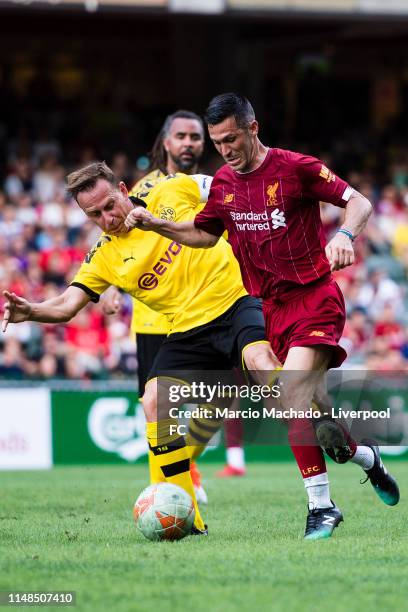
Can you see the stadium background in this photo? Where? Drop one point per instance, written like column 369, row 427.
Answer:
column 95, row 80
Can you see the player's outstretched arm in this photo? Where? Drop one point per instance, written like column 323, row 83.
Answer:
column 339, row 250
column 56, row 310
column 184, row 233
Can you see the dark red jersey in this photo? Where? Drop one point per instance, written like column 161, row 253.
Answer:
column 272, row 216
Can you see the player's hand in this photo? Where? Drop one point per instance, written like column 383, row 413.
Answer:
column 111, row 301
column 16, row 309
column 340, row 252
column 142, row 219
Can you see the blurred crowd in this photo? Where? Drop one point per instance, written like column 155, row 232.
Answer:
column 44, row 237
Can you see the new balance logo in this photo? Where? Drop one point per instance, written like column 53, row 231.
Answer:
column 327, row 175
column 278, row 219
column 329, row 520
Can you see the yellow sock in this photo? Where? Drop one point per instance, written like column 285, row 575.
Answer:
column 155, row 473
column 170, row 456
column 200, row 432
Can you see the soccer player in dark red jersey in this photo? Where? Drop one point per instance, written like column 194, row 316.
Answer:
column 268, row 201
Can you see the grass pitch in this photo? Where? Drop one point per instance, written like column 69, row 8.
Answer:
column 72, row 529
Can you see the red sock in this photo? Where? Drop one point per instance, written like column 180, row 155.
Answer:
column 234, row 432
column 308, row 454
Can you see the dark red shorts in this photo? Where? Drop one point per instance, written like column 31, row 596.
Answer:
column 311, row 317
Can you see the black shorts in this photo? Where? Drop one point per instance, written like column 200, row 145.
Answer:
column 217, row 345
column 147, row 347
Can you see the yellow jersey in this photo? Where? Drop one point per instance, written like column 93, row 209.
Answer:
column 144, row 185
column 144, row 319
column 191, row 287
column 400, row 241
column 147, row 321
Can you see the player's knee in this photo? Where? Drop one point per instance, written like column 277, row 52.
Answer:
column 149, row 402
column 260, row 358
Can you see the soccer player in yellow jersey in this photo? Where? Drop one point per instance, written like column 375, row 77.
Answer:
column 214, row 323
column 177, row 148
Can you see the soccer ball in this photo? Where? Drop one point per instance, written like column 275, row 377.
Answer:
column 164, row 511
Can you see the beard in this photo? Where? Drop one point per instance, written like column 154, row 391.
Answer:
column 186, row 163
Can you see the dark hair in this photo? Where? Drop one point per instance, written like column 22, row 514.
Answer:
column 158, row 154
column 86, row 178
column 230, row 105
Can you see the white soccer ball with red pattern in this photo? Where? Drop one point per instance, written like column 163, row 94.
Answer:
column 164, row 511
